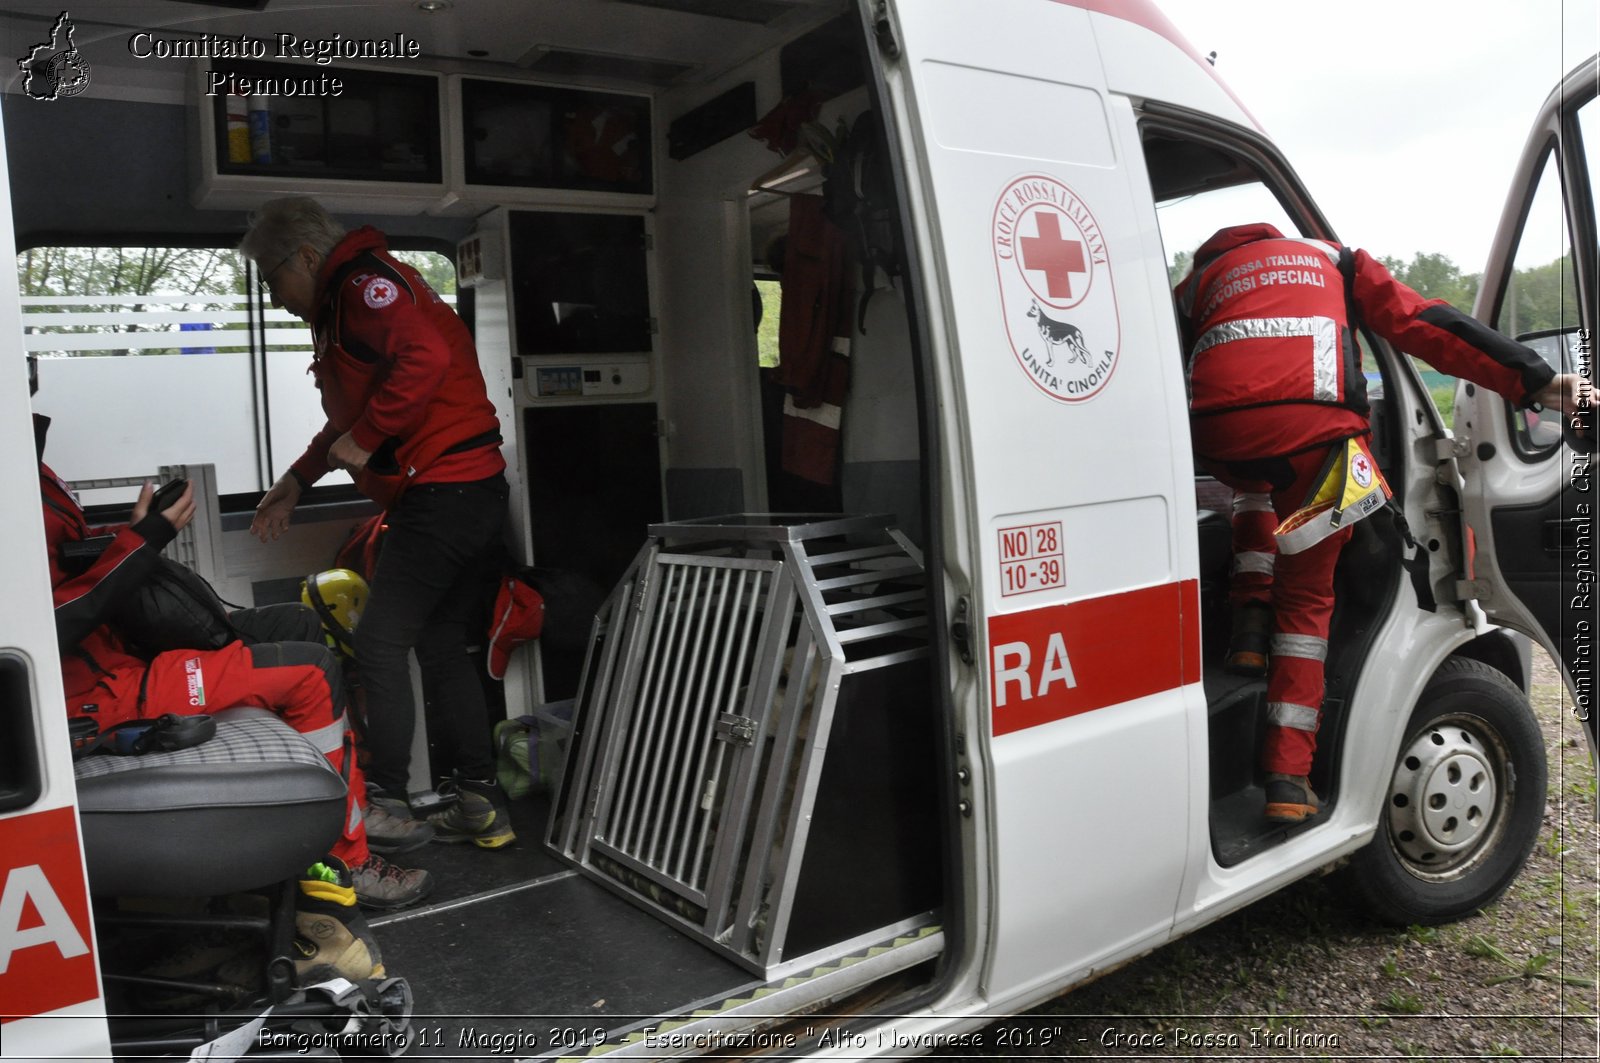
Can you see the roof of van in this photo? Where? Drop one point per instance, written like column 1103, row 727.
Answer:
column 1146, row 57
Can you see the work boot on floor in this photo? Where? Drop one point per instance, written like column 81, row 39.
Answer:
column 480, row 815
column 1252, row 632
column 1290, row 799
column 380, row 884
column 332, row 938
column 391, row 828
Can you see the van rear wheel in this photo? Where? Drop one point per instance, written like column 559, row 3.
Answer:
column 1464, row 802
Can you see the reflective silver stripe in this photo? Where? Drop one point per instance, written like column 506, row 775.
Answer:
column 1307, row 647
column 355, row 818
column 1325, row 360
column 826, row 414
column 329, row 739
column 1288, row 714
column 1252, row 502
column 1331, row 250
column 1254, row 561
column 1323, row 332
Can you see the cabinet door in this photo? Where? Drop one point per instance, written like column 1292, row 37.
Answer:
column 539, row 136
column 594, row 487
column 580, row 284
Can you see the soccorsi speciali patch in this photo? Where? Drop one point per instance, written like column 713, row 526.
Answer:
column 1055, row 288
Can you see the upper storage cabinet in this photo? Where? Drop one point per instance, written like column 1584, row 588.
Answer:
column 331, row 132
column 562, row 140
column 380, row 127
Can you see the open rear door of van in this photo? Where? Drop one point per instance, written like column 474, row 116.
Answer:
column 1530, row 498
column 50, row 996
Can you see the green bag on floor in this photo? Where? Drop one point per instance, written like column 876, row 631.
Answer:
column 530, row 750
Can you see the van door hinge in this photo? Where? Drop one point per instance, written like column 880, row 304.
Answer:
column 739, row 729
column 1476, row 589
column 1456, row 447
column 883, row 31
column 961, row 630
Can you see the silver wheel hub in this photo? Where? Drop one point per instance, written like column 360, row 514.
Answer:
column 1443, row 799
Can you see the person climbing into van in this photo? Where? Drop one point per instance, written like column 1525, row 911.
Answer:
column 1279, row 413
column 409, row 417
column 106, row 682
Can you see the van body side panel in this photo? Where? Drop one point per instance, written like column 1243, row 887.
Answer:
column 1073, row 421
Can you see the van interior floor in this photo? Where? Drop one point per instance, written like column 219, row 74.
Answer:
column 516, row 944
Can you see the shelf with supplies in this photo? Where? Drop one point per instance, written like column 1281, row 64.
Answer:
column 399, row 142
column 380, row 136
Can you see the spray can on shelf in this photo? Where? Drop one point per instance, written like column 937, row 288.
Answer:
column 238, row 128
column 260, row 130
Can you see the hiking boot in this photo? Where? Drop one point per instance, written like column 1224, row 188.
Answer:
column 1247, row 645
column 480, row 815
column 380, row 884
column 1289, row 799
column 332, row 938
column 391, row 828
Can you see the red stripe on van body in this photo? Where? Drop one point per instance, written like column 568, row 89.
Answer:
column 45, row 937
column 1064, row 660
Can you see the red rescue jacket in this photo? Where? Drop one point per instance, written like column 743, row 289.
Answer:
column 398, row 371
column 100, row 675
column 1268, row 322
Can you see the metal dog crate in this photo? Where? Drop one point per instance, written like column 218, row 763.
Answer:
column 753, row 756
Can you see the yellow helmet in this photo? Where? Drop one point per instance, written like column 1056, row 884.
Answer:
column 338, row 595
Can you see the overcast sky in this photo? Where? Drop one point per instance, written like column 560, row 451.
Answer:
column 1404, row 117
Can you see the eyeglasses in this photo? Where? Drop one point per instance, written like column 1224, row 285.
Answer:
column 264, row 282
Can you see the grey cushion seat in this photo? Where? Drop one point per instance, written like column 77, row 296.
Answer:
column 255, row 805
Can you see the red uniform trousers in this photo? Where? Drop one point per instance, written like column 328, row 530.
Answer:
column 296, row 680
column 1299, row 586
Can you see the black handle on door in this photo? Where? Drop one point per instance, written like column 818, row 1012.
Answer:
column 21, row 780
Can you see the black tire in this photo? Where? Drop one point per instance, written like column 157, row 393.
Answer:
column 1464, row 804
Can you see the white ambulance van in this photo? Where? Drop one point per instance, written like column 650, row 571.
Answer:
column 879, row 711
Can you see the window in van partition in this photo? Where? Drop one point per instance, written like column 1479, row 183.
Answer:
column 147, row 357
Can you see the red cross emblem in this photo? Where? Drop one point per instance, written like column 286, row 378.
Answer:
column 1361, row 470
column 1057, row 258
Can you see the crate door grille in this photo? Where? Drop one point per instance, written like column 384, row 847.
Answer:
column 667, row 810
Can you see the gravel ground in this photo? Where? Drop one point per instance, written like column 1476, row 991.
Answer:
column 1304, row 975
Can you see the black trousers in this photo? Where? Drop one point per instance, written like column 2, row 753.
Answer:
column 443, row 547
